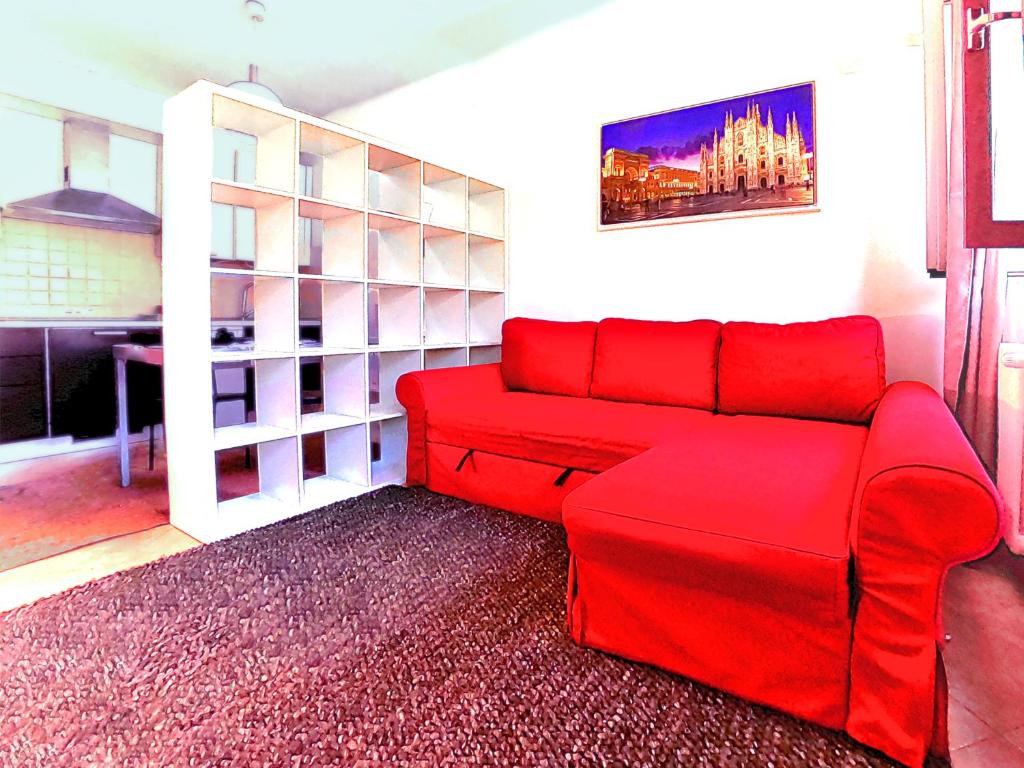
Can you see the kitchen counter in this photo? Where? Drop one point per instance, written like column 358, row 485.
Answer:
column 125, row 323
column 80, row 323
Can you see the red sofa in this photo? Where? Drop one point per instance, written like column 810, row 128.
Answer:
column 746, row 504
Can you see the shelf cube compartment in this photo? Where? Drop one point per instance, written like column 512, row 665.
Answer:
column 392, row 249
column 253, row 145
column 444, row 316
column 331, row 314
column 486, row 263
column 237, row 472
column 444, row 256
column 234, row 393
column 274, row 312
column 393, row 315
column 486, row 209
column 449, row 357
column 252, row 230
column 275, row 491
column 394, row 182
column 388, row 440
column 334, row 465
column 331, row 240
column 486, row 314
column 253, row 401
column 332, row 166
column 251, row 314
column 444, row 197
column 332, row 391
column 485, row 355
column 385, row 368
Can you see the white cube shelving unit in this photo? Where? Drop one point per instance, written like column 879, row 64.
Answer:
column 444, row 316
column 444, row 357
column 332, row 241
column 332, row 166
column 444, row 256
column 486, row 209
column 338, row 263
column 444, row 197
column 393, row 249
column 384, row 370
column 338, row 308
column 486, row 313
column 486, row 263
column 394, row 182
column 339, row 399
column 483, row 354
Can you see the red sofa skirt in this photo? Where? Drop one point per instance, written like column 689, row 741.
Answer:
column 781, row 659
column 517, row 485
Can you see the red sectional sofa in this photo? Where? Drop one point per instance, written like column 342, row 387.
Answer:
column 746, row 504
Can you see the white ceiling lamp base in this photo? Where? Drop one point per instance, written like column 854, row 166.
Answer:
column 257, row 11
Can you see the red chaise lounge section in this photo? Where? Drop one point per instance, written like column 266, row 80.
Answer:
column 747, row 504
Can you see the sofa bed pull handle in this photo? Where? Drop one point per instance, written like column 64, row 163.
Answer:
column 560, row 480
column 464, row 459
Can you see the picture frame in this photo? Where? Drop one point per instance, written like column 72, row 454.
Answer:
column 748, row 155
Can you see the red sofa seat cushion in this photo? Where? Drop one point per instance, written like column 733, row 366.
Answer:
column 748, row 507
column 581, row 433
column 547, row 356
column 649, row 361
column 832, row 369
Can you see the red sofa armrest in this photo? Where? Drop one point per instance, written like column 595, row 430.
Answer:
column 418, row 391
column 924, row 504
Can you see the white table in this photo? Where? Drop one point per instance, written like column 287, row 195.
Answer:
column 140, row 353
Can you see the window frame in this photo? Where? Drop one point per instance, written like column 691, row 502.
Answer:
column 981, row 230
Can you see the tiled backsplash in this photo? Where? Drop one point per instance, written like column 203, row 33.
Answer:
column 53, row 270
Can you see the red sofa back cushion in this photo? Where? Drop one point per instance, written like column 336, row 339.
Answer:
column 659, row 362
column 548, row 356
column 832, row 370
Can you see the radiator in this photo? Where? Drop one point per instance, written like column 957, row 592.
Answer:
column 1010, row 460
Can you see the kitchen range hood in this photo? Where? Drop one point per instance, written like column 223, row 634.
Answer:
column 85, row 200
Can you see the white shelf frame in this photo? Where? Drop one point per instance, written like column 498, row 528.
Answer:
column 441, row 274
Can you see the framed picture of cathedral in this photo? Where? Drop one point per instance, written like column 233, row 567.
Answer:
column 745, row 155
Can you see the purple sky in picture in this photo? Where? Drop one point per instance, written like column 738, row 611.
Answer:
column 676, row 136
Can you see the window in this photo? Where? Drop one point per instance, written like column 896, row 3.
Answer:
column 739, row 158
column 763, row 164
column 782, row 161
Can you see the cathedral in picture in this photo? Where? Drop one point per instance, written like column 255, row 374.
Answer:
column 749, row 154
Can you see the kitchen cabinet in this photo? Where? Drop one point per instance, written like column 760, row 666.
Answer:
column 22, row 384
column 31, row 154
column 82, row 382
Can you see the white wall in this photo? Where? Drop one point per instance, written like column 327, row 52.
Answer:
column 528, row 117
column 39, row 70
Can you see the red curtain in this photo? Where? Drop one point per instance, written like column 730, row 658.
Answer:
column 974, row 291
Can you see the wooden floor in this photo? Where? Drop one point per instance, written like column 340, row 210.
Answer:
column 983, row 604
column 28, row 583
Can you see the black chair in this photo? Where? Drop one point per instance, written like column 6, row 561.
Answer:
column 246, row 397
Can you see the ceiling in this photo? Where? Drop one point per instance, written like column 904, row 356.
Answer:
column 317, row 55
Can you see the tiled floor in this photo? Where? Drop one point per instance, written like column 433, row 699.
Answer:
column 984, row 611
column 983, row 603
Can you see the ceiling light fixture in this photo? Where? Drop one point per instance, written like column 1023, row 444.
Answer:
column 257, row 11
column 250, row 86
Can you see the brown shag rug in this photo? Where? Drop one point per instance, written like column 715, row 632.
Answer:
column 401, row 628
